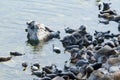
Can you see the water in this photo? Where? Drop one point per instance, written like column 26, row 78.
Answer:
column 56, row 14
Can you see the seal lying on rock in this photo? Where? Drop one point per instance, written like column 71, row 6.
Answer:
column 38, row 32
column 78, row 37
column 96, row 75
column 106, row 50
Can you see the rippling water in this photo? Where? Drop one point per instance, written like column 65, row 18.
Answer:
column 57, row 14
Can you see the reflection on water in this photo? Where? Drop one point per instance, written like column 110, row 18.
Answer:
column 54, row 14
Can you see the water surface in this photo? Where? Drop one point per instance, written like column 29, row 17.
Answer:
column 56, row 14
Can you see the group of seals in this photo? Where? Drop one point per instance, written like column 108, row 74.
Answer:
column 4, row 59
column 100, row 54
column 95, row 57
column 108, row 14
column 79, row 36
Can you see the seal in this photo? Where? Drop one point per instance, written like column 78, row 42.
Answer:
column 39, row 32
column 79, row 37
column 111, row 12
column 82, row 63
column 3, row 59
column 69, row 30
column 16, row 54
column 24, row 64
column 96, row 75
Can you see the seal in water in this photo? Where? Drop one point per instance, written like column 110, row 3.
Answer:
column 39, row 32
column 3, row 59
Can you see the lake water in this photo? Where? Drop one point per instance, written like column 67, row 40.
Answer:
column 56, row 14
